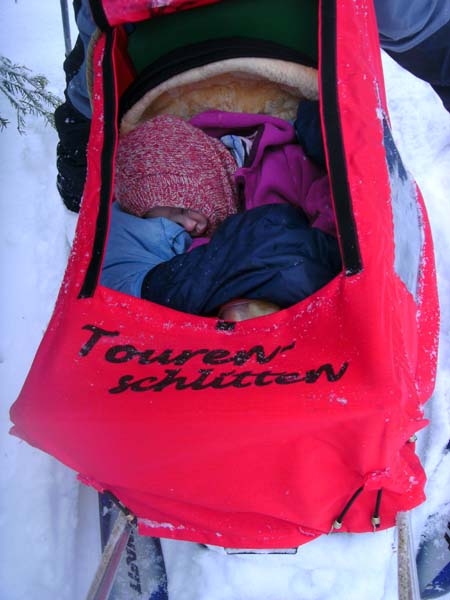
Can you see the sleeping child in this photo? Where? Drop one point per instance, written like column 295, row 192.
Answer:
column 182, row 233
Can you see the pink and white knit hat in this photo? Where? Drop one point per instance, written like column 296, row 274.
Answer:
column 168, row 162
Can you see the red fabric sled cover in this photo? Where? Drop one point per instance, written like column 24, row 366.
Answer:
column 118, row 12
column 256, row 436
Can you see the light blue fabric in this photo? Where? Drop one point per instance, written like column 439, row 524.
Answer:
column 238, row 146
column 403, row 24
column 77, row 87
column 135, row 246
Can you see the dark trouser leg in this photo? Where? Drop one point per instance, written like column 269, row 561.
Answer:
column 73, row 131
column 72, row 126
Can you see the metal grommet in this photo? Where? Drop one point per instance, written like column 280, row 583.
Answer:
column 376, row 522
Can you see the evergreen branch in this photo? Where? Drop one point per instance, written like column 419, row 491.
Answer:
column 26, row 93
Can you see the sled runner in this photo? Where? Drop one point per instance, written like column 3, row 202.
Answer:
column 270, row 432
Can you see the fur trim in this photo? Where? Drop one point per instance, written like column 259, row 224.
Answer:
column 252, row 85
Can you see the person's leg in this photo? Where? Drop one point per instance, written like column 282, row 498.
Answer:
column 73, row 131
column 72, row 118
column 430, row 61
column 77, row 90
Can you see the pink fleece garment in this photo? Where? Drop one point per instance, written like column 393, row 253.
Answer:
column 278, row 171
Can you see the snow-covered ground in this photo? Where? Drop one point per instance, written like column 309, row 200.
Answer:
column 49, row 542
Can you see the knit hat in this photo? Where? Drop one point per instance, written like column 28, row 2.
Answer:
column 168, row 162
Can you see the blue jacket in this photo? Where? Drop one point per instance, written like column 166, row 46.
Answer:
column 268, row 253
column 403, row 24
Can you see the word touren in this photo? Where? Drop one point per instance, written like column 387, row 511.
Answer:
column 206, row 377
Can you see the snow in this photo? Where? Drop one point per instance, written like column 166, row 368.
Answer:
column 49, row 544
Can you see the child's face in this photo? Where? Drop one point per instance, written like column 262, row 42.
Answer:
column 193, row 221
